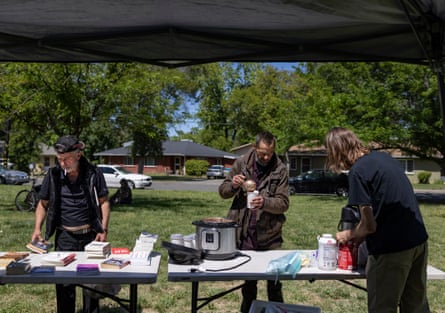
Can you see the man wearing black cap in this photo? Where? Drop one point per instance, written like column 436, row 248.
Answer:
column 74, row 201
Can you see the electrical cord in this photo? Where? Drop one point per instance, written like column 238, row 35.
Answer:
column 238, row 254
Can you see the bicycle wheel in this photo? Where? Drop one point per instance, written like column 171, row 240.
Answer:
column 25, row 201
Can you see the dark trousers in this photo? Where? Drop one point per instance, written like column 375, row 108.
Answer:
column 66, row 294
column 249, row 292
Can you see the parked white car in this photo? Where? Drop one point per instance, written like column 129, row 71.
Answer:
column 114, row 174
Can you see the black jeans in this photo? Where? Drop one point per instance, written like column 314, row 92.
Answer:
column 66, row 294
column 249, row 292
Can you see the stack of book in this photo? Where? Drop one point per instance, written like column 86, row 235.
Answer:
column 39, row 246
column 58, row 258
column 98, row 249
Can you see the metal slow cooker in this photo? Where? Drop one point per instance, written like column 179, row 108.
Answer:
column 216, row 237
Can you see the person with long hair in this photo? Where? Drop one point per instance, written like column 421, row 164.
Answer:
column 390, row 223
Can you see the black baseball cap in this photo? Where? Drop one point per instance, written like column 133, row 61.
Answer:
column 68, row 143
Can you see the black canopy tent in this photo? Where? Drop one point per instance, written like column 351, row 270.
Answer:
column 181, row 32
column 177, row 33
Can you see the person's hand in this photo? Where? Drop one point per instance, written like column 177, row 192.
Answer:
column 237, row 181
column 343, row 236
column 36, row 236
column 101, row 237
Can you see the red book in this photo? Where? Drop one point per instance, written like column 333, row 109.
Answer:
column 120, row 250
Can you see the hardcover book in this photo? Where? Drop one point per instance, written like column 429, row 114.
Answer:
column 114, row 263
column 87, row 269
column 44, row 269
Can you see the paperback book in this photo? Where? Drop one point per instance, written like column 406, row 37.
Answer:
column 16, row 256
column 58, row 258
column 114, row 263
column 40, row 247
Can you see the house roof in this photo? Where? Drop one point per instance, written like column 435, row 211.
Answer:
column 176, row 148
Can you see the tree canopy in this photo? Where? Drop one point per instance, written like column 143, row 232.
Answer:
column 107, row 104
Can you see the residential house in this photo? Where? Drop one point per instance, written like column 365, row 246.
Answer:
column 303, row 158
column 241, row 150
column 175, row 155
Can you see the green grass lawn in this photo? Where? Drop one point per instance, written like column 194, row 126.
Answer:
column 167, row 212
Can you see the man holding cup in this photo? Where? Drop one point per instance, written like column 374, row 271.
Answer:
column 262, row 217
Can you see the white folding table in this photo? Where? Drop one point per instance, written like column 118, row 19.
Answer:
column 255, row 269
column 130, row 275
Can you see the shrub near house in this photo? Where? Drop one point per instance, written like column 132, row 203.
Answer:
column 196, row 167
column 424, row 177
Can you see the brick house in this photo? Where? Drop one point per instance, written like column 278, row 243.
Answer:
column 175, row 155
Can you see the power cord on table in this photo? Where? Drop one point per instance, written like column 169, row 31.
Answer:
column 239, row 254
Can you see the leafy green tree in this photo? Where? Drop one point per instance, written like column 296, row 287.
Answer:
column 217, row 112
column 394, row 105
column 104, row 104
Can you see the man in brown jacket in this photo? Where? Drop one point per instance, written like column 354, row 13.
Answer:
column 261, row 225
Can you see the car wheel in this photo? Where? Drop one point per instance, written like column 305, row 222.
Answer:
column 342, row 191
column 292, row 190
column 131, row 184
column 2, row 180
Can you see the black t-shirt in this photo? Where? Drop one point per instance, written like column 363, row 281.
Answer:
column 74, row 204
column 379, row 180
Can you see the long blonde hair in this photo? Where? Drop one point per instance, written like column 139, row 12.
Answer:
column 343, row 149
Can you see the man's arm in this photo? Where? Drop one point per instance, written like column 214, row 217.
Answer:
column 232, row 183
column 366, row 226
column 105, row 209
column 40, row 215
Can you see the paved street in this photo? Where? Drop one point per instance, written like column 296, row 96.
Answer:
column 211, row 185
column 192, row 185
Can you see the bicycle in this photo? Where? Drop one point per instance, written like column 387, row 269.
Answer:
column 26, row 200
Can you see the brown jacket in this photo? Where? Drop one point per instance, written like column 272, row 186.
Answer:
column 274, row 187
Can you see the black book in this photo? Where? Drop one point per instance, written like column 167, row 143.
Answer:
column 18, row 268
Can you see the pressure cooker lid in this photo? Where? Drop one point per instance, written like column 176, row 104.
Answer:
column 218, row 222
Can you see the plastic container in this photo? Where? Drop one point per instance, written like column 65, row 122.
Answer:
column 347, row 256
column 327, row 252
column 250, row 196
